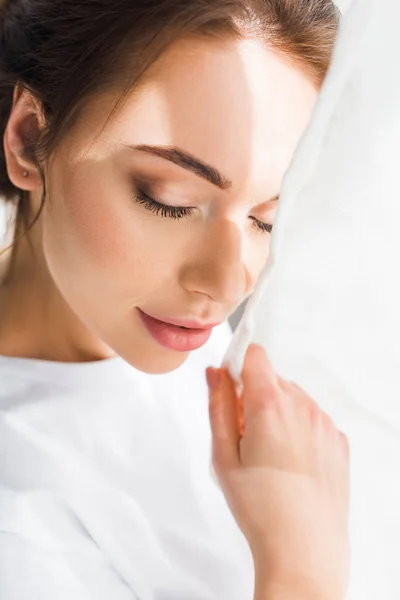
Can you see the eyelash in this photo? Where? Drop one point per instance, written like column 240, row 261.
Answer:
column 172, row 212
column 264, row 227
column 180, row 212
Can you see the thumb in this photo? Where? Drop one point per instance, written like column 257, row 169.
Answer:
column 223, row 413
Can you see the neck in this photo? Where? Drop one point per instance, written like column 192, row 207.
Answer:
column 35, row 320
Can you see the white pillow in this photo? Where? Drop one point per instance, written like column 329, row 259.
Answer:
column 327, row 307
column 343, row 4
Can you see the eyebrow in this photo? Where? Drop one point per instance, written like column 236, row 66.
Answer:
column 188, row 162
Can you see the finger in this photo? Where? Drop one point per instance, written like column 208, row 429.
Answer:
column 223, row 411
column 260, row 382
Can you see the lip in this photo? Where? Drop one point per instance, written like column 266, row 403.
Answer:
column 190, row 324
column 168, row 334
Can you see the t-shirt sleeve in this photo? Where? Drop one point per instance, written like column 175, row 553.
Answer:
column 48, row 555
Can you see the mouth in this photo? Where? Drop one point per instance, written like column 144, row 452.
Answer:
column 178, row 334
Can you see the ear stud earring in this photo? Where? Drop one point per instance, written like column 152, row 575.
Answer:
column 25, row 173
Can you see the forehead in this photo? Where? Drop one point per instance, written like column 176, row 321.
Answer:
column 237, row 105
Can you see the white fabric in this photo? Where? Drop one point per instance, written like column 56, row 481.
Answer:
column 343, row 5
column 106, row 491
column 327, row 307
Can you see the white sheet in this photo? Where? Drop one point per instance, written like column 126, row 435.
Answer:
column 327, row 305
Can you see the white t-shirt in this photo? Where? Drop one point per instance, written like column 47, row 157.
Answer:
column 106, row 489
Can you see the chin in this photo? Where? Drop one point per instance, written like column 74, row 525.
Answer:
column 157, row 363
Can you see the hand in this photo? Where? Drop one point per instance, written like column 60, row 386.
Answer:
column 284, row 470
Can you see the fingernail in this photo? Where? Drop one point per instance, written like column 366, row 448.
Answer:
column 213, row 378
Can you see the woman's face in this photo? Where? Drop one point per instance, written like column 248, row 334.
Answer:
column 168, row 212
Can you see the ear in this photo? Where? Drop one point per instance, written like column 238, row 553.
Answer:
column 24, row 127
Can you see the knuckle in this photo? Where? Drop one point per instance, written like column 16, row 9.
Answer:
column 316, row 415
column 297, row 387
column 286, row 386
column 319, row 418
column 301, row 396
column 328, row 421
column 345, row 442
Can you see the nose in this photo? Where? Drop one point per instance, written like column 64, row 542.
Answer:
column 215, row 265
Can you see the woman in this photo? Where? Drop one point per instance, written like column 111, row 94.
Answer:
column 144, row 146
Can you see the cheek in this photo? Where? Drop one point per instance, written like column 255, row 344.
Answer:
column 258, row 254
column 92, row 237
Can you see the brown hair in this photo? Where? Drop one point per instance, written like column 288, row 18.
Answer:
column 66, row 51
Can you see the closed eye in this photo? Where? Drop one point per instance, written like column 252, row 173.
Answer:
column 180, row 212
column 165, row 210
column 264, row 227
